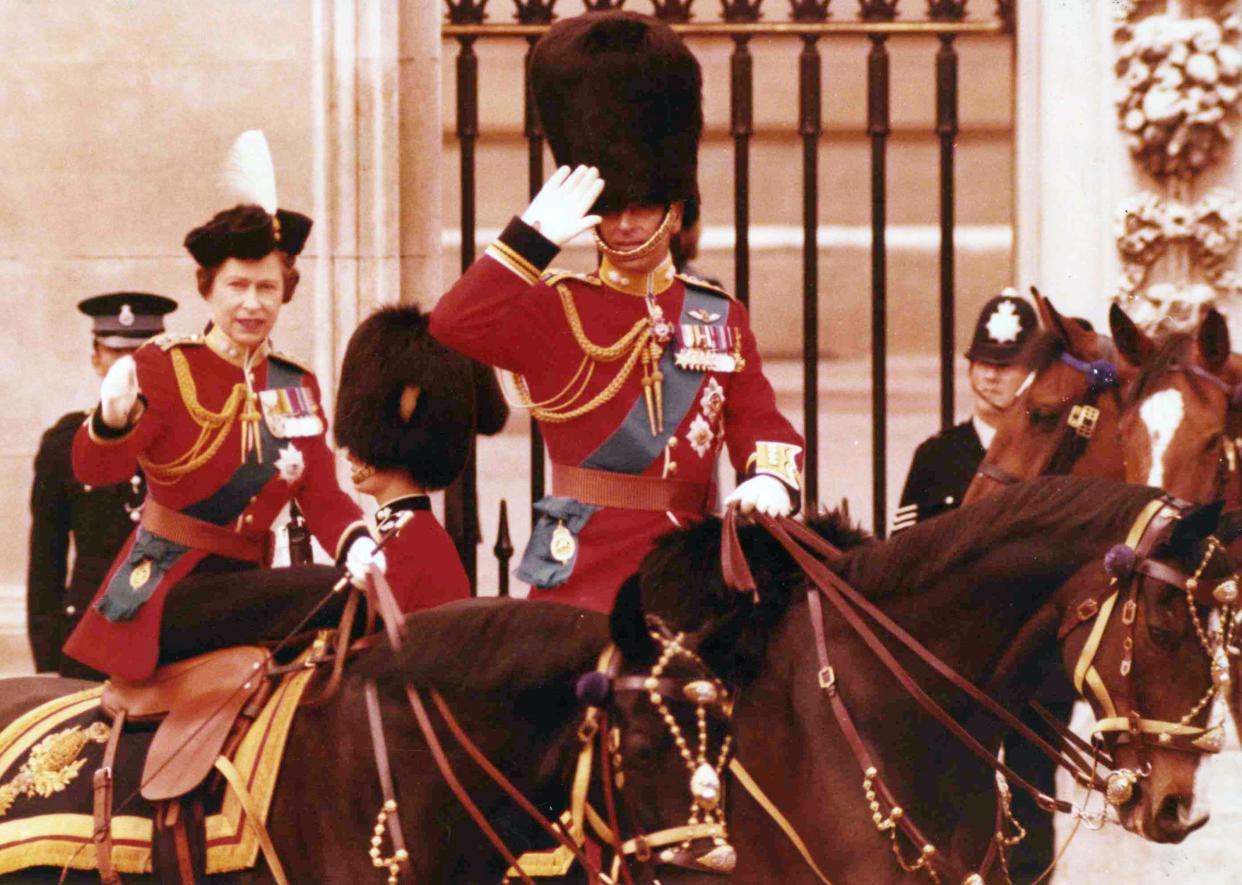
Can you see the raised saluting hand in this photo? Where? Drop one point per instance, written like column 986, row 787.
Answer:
column 559, row 210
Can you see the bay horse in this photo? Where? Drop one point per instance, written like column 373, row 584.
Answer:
column 509, row 671
column 992, row 590
column 1065, row 416
column 1181, row 429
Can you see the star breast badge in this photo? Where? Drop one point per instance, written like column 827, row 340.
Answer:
column 1004, row 324
column 290, row 464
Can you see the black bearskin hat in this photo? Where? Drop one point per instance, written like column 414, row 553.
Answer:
column 620, row 91
column 390, row 351
column 247, row 232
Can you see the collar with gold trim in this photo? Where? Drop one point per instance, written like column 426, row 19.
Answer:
column 636, row 284
column 386, row 517
column 229, row 351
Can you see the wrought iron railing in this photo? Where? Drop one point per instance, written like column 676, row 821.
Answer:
column 809, row 21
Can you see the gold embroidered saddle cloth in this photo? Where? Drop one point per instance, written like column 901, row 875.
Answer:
column 49, row 755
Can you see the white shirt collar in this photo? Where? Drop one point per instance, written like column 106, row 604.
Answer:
column 986, row 431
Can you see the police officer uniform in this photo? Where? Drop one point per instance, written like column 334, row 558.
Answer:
column 92, row 520
column 406, row 403
column 944, row 465
column 637, row 381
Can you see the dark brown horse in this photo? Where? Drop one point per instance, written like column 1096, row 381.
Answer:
column 984, row 588
column 1065, row 417
column 1182, row 425
column 509, row 672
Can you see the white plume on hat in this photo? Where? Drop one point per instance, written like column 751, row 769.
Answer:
column 248, row 175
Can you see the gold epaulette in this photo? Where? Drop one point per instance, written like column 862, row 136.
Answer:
column 704, row 285
column 169, row 340
column 553, row 275
column 291, row 360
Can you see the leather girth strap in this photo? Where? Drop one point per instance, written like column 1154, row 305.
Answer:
column 102, row 784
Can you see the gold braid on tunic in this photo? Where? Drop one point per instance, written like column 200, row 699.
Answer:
column 635, row 345
column 214, row 427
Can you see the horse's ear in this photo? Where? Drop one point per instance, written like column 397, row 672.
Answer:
column 1195, row 525
column 1132, row 342
column 1074, row 338
column 628, row 625
column 1213, row 340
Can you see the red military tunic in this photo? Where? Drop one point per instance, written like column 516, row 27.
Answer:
column 423, row 569
column 565, row 335
column 218, row 452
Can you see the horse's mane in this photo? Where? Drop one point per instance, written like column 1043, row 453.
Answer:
column 1056, row 510
column 483, row 645
column 1175, row 351
column 681, row 581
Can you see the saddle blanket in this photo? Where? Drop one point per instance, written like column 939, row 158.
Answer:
column 49, row 755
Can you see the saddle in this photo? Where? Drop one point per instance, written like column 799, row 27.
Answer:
column 202, row 707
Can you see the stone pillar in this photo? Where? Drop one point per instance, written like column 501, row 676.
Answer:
column 419, row 145
column 1069, row 158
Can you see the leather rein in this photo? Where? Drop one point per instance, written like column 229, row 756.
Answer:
column 701, row 844
column 812, row 554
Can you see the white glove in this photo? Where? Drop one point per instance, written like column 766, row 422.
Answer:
column 559, row 210
column 118, row 393
column 361, row 558
column 767, row 494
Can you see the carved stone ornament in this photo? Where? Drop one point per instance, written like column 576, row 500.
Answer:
column 1177, row 91
column 1179, row 81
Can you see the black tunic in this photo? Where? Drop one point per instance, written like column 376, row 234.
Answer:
column 99, row 520
column 940, row 473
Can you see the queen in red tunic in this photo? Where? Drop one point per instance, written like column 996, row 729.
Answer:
column 227, row 431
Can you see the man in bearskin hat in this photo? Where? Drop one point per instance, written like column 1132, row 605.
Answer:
column 406, row 416
column 637, row 374
column 95, row 520
column 227, row 430
column 944, row 465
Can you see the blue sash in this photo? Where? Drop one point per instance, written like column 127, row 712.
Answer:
column 630, row 448
column 122, row 601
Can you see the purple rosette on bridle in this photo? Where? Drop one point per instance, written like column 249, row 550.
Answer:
column 592, row 689
column 1119, row 561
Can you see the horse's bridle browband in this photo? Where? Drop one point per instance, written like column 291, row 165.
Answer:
column 1083, row 415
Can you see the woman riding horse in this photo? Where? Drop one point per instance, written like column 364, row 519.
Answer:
column 227, row 431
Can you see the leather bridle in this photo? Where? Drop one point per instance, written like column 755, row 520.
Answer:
column 700, row 844
column 812, row 554
column 1122, row 721
column 1080, row 422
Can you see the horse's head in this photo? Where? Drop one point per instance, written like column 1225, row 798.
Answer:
column 1143, row 649
column 668, row 743
column 1183, row 414
column 1065, row 416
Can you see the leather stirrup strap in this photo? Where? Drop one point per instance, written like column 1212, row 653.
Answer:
column 380, row 745
column 481, row 760
column 446, row 771
column 102, row 784
column 749, row 784
column 341, row 653
column 254, row 817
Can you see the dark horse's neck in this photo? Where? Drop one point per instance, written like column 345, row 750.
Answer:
column 979, row 588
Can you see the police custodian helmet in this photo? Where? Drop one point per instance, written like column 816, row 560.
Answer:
column 1003, row 328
